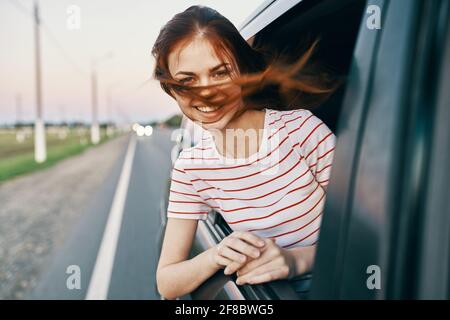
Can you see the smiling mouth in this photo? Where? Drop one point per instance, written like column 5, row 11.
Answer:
column 207, row 109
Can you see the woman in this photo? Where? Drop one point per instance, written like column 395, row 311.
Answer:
column 269, row 187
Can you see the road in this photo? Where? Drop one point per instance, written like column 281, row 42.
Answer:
column 125, row 258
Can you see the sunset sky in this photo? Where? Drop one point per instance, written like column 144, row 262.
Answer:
column 128, row 29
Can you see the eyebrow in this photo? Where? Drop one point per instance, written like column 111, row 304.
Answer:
column 211, row 70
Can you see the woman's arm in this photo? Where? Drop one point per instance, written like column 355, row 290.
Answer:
column 176, row 274
column 304, row 258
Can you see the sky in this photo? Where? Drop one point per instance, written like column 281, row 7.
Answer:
column 118, row 33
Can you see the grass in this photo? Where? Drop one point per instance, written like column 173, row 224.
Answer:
column 17, row 158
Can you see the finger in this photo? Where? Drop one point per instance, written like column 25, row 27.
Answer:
column 243, row 247
column 252, row 265
column 220, row 260
column 233, row 267
column 267, row 277
column 266, row 255
column 250, row 238
column 269, row 266
column 232, row 255
column 274, row 264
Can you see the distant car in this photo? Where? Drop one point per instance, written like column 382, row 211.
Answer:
column 387, row 211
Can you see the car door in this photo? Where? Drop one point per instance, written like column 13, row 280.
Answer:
column 433, row 270
column 375, row 202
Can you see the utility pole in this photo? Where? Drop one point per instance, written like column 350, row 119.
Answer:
column 109, row 106
column 63, row 118
column 18, row 110
column 108, row 113
column 95, row 130
column 40, row 148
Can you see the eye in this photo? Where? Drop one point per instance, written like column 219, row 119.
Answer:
column 221, row 74
column 186, row 80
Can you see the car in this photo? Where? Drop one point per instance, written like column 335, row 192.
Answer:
column 386, row 226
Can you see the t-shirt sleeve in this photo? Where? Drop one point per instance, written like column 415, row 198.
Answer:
column 184, row 201
column 317, row 144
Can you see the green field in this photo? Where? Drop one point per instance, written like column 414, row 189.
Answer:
column 17, row 157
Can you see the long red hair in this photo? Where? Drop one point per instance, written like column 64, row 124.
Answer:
column 266, row 81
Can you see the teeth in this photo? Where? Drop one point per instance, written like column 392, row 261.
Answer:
column 206, row 108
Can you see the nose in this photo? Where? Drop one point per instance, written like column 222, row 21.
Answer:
column 207, row 92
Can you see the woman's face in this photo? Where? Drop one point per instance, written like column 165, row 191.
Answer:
column 196, row 64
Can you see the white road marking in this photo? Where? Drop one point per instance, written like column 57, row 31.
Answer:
column 101, row 275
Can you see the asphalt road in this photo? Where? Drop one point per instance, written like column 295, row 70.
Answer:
column 134, row 254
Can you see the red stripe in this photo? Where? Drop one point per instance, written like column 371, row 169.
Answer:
column 307, row 137
column 284, row 126
column 209, row 188
column 188, row 184
column 283, row 115
column 331, row 150
column 288, row 245
column 269, row 205
column 319, row 171
column 184, row 193
column 259, row 197
column 277, row 211
column 295, row 218
column 298, row 229
column 301, row 125
column 323, row 181
column 179, row 170
column 260, row 184
column 183, row 212
column 246, row 176
column 192, row 202
column 326, row 137
column 207, row 148
column 242, row 165
column 257, row 185
column 320, row 157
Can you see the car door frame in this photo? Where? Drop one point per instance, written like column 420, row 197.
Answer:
column 331, row 245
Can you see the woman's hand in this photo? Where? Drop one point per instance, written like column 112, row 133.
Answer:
column 236, row 249
column 274, row 263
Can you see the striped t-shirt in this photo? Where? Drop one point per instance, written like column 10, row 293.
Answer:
column 278, row 192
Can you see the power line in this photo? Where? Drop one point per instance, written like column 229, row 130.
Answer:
column 49, row 33
column 21, row 8
column 71, row 61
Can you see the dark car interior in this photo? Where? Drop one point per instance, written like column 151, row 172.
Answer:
column 336, row 25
